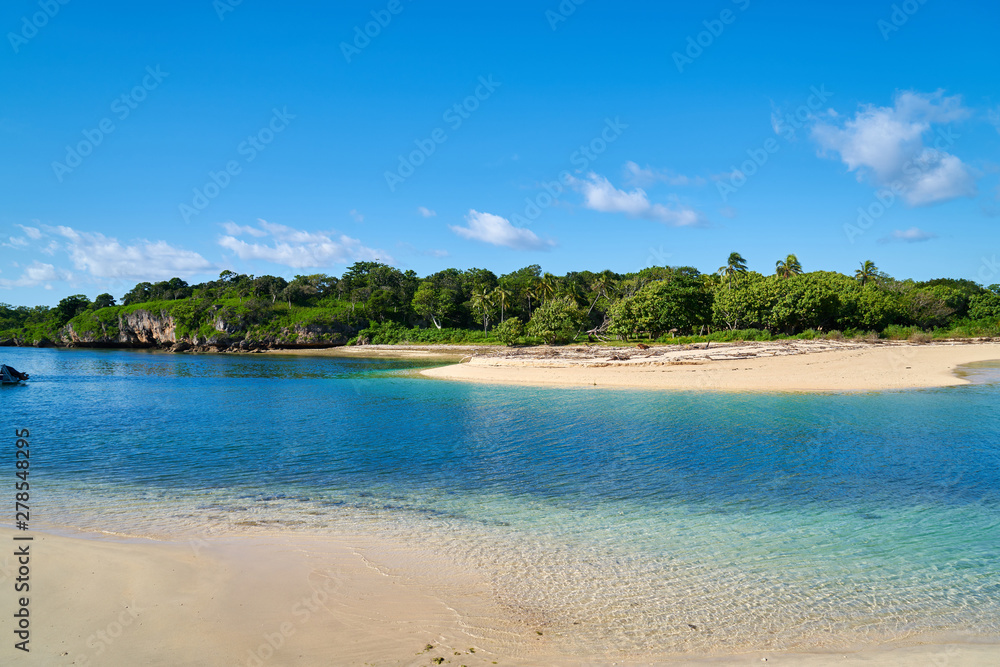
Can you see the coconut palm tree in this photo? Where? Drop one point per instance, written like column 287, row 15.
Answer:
column 482, row 304
column 531, row 292
column 545, row 289
column 788, row 267
column 601, row 285
column 735, row 265
column 867, row 271
column 501, row 297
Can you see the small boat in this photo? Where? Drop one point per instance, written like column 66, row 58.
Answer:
column 10, row 375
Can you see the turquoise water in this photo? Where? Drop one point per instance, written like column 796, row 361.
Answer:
column 613, row 517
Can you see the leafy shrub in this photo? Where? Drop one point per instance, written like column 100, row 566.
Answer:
column 509, row 331
column 392, row 333
column 896, row 332
column 556, row 321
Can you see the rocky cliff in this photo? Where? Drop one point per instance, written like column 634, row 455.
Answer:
column 143, row 328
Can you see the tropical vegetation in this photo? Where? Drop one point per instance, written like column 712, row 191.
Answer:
column 376, row 303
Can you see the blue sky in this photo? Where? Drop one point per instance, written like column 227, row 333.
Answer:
column 146, row 140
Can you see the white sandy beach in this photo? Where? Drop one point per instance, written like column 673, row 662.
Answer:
column 812, row 366
column 300, row 600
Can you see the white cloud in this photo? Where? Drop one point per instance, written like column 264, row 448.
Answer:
column 32, row 232
column 994, row 116
column 358, row 217
column 493, row 229
column 300, row 249
column 36, row 274
column 886, row 144
column 777, row 122
column 646, row 176
column 235, row 230
column 911, row 235
column 600, row 195
column 733, row 175
column 426, row 212
column 105, row 257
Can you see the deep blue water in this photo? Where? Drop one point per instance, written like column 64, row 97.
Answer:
column 817, row 520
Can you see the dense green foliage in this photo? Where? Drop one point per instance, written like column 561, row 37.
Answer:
column 377, row 303
column 557, row 320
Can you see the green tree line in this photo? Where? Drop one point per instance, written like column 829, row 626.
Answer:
column 383, row 304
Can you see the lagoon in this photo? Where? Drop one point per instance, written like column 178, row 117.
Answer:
column 613, row 517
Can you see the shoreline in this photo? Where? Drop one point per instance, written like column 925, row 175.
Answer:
column 777, row 366
column 431, row 352
column 317, row 599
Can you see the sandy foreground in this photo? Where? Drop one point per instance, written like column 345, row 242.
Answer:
column 300, row 600
column 771, row 366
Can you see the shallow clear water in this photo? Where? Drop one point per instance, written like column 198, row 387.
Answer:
column 611, row 517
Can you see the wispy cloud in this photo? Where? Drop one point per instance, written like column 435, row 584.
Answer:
column 911, row 235
column 496, row 230
column 600, row 195
column 299, row 249
column 426, row 212
column 647, row 176
column 887, row 145
column 994, row 117
column 32, row 232
column 236, row 230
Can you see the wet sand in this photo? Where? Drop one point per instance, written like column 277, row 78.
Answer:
column 306, row 600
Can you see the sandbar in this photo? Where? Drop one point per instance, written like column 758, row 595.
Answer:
column 779, row 366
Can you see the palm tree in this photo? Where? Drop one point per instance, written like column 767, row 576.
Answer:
column 501, row 297
column 572, row 290
column 546, row 287
column 482, row 303
column 788, row 267
column 867, row 271
column 734, row 266
column 600, row 287
column 531, row 292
